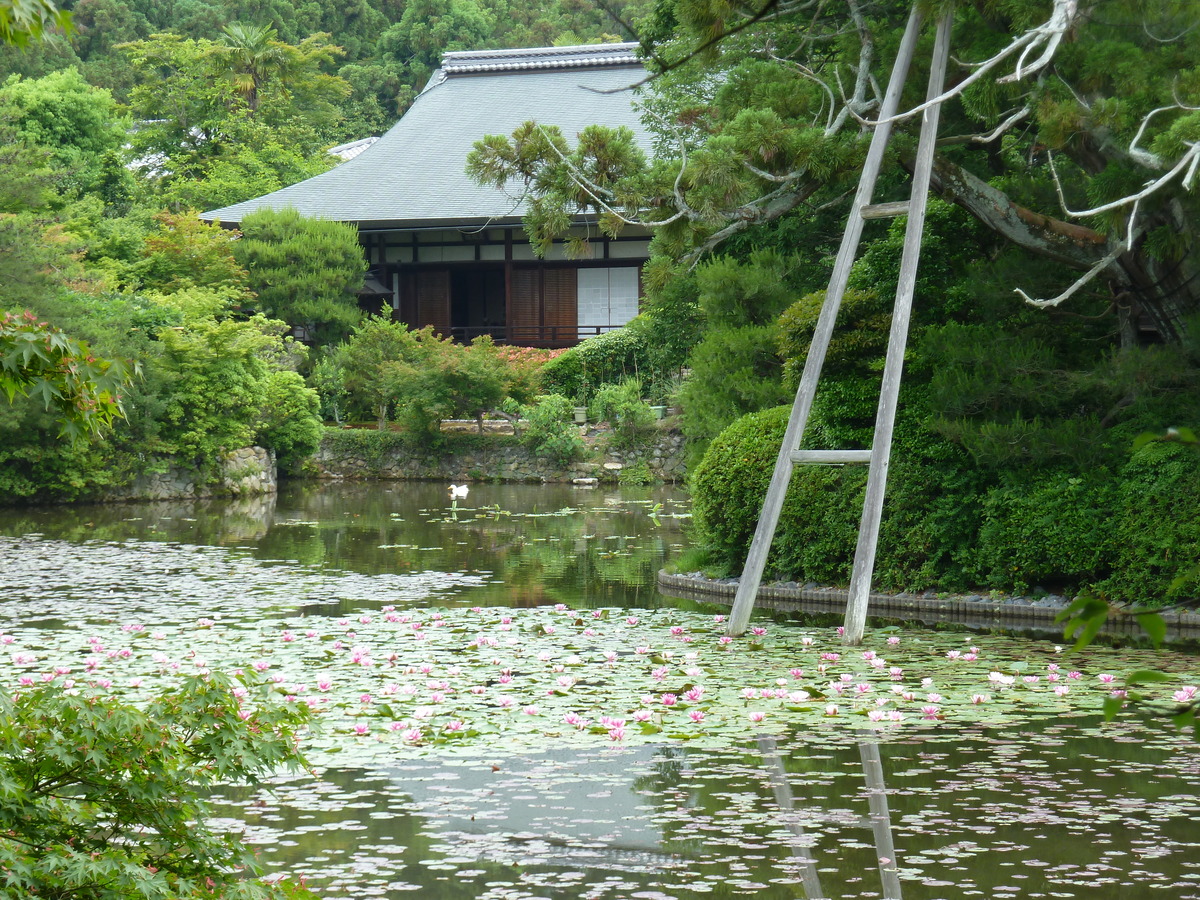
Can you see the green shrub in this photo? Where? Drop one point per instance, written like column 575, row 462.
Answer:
column 858, row 342
column 930, row 518
column 734, row 371
column 289, row 424
column 1156, row 532
column 104, row 800
column 622, row 406
column 564, row 375
column 36, row 465
column 605, row 359
column 635, row 474
column 550, row 430
column 1052, row 530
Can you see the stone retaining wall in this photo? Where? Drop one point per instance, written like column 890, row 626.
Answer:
column 244, row 473
column 968, row 610
column 662, row 456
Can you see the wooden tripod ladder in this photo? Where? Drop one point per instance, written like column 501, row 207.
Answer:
column 879, row 455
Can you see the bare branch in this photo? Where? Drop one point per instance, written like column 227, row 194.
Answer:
column 864, row 79
column 1145, row 157
column 1187, row 162
column 765, row 209
column 1170, row 40
column 767, row 176
column 1004, row 126
column 1080, row 282
column 1048, row 36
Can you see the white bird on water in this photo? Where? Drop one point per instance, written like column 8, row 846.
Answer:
column 458, row 490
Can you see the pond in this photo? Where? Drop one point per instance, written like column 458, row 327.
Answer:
column 506, row 708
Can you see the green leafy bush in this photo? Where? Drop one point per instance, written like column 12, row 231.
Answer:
column 859, row 342
column 930, row 522
column 605, row 359
column 622, row 406
column 550, row 430
column 289, row 423
column 1052, row 530
column 1156, row 532
column 103, row 800
column 734, row 371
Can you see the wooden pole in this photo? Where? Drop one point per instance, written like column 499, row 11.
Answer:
column 868, row 531
column 760, row 546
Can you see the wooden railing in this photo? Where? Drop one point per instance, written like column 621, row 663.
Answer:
column 532, row 335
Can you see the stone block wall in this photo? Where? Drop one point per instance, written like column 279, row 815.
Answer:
column 662, row 455
column 245, row 472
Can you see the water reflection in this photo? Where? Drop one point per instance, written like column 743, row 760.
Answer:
column 879, row 820
column 350, row 545
column 1023, row 815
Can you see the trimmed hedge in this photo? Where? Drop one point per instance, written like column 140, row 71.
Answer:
column 1132, row 535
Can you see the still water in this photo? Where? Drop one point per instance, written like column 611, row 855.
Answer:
column 1043, row 802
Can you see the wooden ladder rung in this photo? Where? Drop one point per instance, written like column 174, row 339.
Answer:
column 829, row 457
column 885, row 210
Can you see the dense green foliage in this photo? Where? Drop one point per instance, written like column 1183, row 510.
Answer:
column 735, row 368
column 978, row 507
column 605, row 359
column 39, row 360
column 385, row 52
column 550, row 429
column 103, row 799
column 387, row 371
column 304, row 271
column 621, row 406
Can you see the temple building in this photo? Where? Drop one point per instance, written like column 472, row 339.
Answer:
column 446, row 252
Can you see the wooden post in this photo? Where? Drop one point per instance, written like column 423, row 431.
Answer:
column 508, row 255
column 760, row 546
column 881, row 445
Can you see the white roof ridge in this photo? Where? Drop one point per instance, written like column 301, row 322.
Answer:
column 623, row 47
column 465, row 61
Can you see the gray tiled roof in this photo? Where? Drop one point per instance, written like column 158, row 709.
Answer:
column 414, row 175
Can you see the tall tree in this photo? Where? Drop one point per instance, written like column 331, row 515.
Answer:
column 1071, row 132
column 253, row 56
column 304, row 271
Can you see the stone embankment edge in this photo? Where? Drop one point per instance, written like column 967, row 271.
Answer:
column 951, row 609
